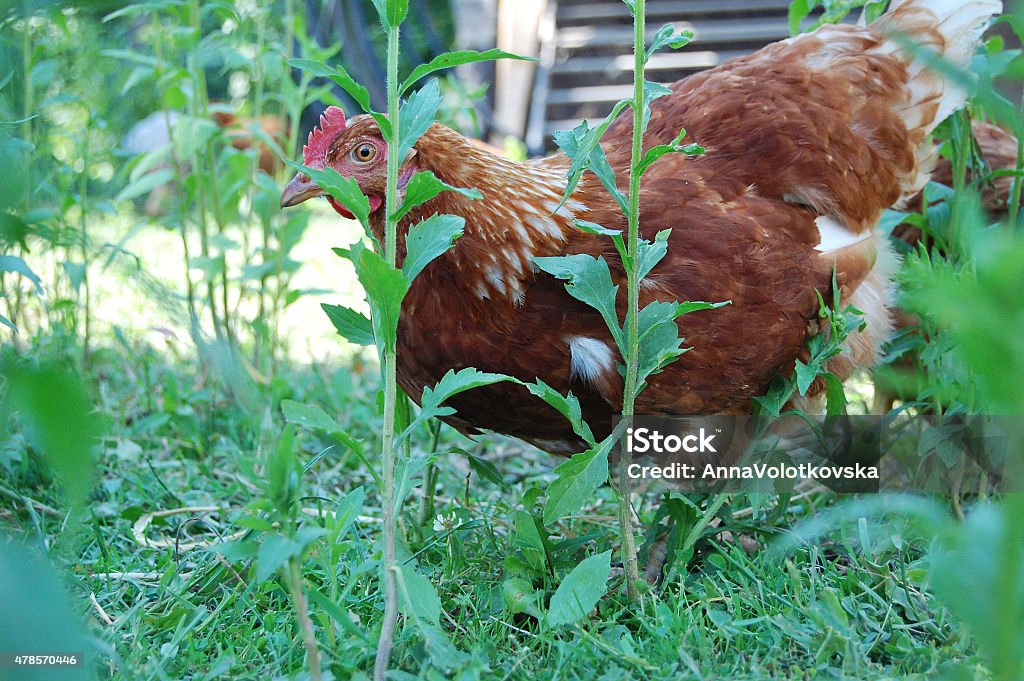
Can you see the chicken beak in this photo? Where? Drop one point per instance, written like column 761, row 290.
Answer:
column 300, row 189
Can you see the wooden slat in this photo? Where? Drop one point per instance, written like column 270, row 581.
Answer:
column 707, row 32
column 663, row 61
column 667, row 10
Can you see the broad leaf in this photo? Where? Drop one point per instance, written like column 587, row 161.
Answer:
column 351, row 325
column 450, row 59
column 429, row 239
column 580, row 590
column 423, row 186
column 419, row 598
column 391, row 12
column 52, row 401
column 567, row 405
column 417, row 115
column 589, row 280
column 578, row 479
column 340, row 76
column 274, row 552
column 310, row 416
column 12, row 263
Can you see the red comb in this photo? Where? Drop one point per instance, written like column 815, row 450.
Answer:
column 332, row 122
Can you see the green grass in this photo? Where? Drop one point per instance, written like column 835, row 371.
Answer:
column 834, row 608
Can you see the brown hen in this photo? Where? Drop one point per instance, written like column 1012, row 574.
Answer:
column 808, row 141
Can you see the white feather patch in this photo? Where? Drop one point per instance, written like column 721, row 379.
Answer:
column 590, row 357
column 834, row 235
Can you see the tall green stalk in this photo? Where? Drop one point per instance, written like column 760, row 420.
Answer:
column 387, row 630
column 629, row 553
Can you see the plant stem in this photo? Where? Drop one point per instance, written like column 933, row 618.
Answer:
column 387, row 630
column 294, row 579
column 629, row 553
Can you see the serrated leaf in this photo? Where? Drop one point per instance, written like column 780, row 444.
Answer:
column 452, row 383
column 580, row 590
column 676, row 146
column 423, row 186
column 385, row 288
column 650, row 253
column 667, row 35
column 451, row 59
column 419, row 598
column 344, row 189
column 351, row 325
column 582, row 146
column 589, row 280
column 615, row 234
column 578, row 479
column 418, row 115
column 567, row 405
column 652, row 91
column 339, row 75
column 429, row 239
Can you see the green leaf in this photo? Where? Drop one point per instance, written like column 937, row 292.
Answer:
column 519, row 595
column 487, row 470
column 667, row 35
column 676, row 146
column 589, row 280
column 340, row 76
column 582, row 146
column 798, row 11
column 651, row 253
column 423, row 186
column 385, row 288
column 567, row 405
column 274, row 551
column 578, row 479
column 615, row 234
column 39, row 615
column 8, row 323
column 580, row 591
column 344, row 189
column 391, row 12
column 419, row 597
column 310, row 416
column 429, row 239
column 12, row 263
column 418, row 115
column 652, row 91
column 450, row 59
column 351, row 325
column 145, row 184
column 452, row 383
column 53, row 401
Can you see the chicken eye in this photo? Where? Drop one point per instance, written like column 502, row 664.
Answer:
column 364, row 153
